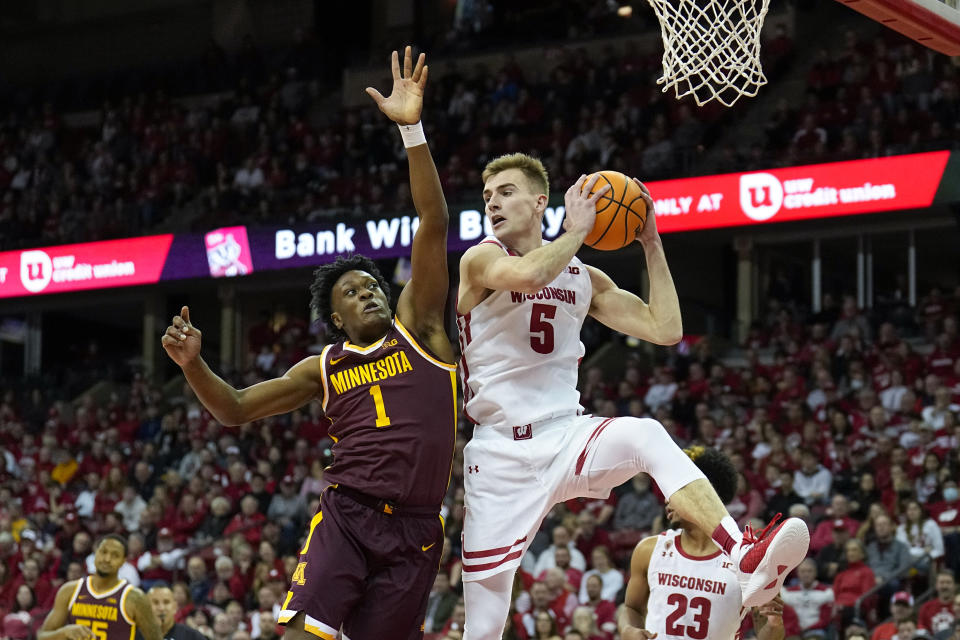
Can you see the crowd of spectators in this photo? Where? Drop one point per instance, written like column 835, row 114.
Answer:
column 264, row 151
column 833, row 418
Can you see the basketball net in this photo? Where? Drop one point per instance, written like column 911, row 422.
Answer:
column 711, row 48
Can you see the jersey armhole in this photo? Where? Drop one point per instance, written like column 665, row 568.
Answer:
column 123, row 604
column 76, row 592
column 323, row 376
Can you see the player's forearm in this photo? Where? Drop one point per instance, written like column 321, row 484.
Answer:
column 425, row 187
column 630, row 617
column 542, row 265
column 55, row 634
column 214, row 393
column 664, row 303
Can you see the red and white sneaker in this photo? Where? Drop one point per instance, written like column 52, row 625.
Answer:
column 762, row 562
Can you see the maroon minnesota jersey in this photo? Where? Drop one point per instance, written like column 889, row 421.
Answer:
column 103, row 612
column 393, row 418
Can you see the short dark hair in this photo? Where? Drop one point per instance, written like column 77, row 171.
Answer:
column 114, row 536
column 326, row 276
column 719, row 470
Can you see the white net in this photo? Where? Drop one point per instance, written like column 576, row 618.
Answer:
column 711, row 48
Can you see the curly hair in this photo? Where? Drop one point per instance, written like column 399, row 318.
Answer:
column 718, row 468
column 326, row 276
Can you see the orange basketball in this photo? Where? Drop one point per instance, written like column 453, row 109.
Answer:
column 621, row 212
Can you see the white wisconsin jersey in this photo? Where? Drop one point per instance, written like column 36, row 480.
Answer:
column 694, row 598
column 521, row 352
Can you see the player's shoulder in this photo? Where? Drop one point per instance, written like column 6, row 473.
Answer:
column 486, row 247
column 70, row 586
column 644, row 550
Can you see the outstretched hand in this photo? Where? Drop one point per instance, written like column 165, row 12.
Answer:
column 181, row 340
column 405, row 101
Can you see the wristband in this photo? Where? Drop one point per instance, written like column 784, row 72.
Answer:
column 412, row 135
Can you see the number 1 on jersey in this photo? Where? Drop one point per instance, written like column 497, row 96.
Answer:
column 382, row 419
column 540, row 315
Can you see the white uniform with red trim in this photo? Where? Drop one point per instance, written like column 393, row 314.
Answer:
column 691, row 597
column 519, row 346
column 532, row 446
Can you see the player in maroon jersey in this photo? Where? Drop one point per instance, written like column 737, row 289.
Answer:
column 101, row 606
column 388, row 389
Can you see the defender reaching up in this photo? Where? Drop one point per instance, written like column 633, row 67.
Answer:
column 388, row 388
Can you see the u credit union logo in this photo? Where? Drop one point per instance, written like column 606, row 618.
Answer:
column 761, row 195
column 36, row 270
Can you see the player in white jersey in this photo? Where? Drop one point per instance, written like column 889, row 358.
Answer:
column 521, row 303
column 681, row 585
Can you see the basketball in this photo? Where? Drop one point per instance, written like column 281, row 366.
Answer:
column 621, row 212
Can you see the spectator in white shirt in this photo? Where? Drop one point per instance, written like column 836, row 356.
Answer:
column 891, row 396
column 130, row 508
column 812, row 481
column 561, row 538
column 249, row 177
column 812, row 600
column 661, row 392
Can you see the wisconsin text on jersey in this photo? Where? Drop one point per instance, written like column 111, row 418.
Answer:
column 547, row 293
column 389, row 366
column 689, row 582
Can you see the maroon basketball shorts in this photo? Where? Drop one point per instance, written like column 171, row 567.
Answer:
column 365, row 570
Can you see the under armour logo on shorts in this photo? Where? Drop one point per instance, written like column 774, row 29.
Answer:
column 523, row 432
column 473, row 469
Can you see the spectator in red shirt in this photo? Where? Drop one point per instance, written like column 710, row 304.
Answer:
column 228, row 575
column 248, row 522
column 937, row 614
column 604, row 611
column 573, row 576
column 839, row 511
column 901, row 608
column 588, row 536
column 30, row 576
column 852, row 582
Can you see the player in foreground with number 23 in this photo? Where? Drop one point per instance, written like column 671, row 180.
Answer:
column 521, row 305
column 388, row 388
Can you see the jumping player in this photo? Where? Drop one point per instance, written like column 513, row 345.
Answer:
column 680, row 585
column 101, row 606
column 521, row 304
column 389, row 390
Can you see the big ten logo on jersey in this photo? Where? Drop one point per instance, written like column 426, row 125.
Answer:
column 389, row 343
column 391, row 365
column 573, row 270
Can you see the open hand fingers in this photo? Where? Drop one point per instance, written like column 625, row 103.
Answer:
column 418, row 70
column 423, row 77
column 395, row 65
column 376, row 95
column 407, row 61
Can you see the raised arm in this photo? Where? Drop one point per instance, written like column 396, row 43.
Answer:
column 55, row 625
column 423, row 301
column 658, row 321
column 485, row 266
column 230, row 406
column 634, row 611
column 141, row 612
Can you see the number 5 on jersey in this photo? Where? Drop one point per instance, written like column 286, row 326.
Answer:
column 541, row 331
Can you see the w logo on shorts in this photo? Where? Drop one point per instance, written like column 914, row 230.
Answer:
column 523, row 432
